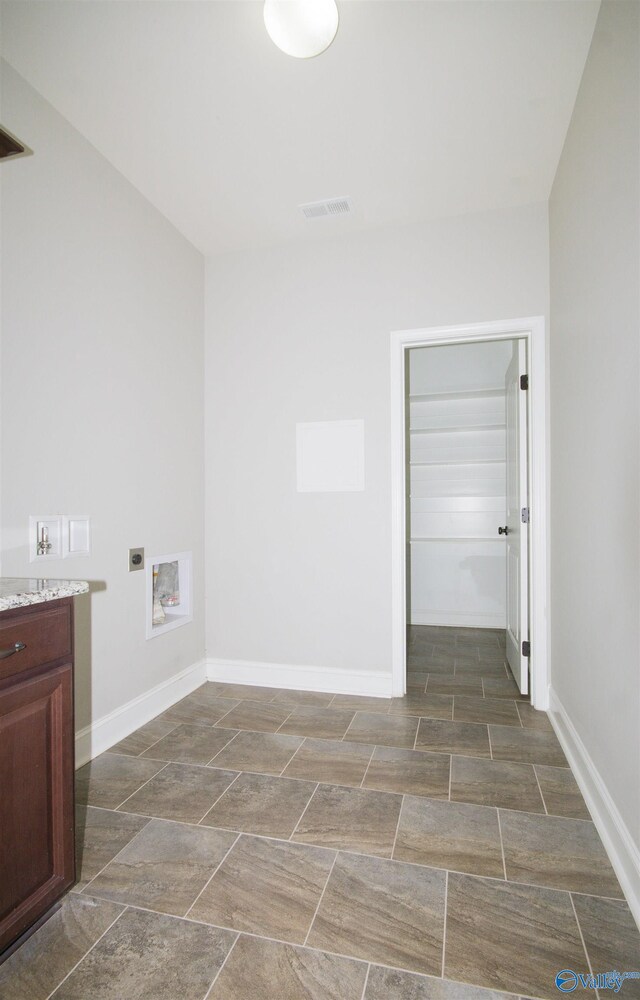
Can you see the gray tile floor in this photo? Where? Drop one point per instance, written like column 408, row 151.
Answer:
column 258, row 844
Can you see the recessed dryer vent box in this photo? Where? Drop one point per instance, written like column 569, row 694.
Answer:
column 169, row 592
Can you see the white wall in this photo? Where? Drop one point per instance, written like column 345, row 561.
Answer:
column 102, row 392
column 302, row 334
column 595, row 341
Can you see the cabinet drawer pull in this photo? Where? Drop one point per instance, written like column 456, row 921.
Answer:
column 14, row 649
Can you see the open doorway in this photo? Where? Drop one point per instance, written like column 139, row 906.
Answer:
column 467, row 514
column 518, row 348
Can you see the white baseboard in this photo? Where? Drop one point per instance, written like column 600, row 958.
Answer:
column 301, row 678
column 455, row 619
column 618, row 842
column 111, row 728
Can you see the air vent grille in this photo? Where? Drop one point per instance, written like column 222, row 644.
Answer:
column 329, row 207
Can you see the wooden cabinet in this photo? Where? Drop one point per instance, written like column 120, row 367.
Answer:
column 37, row 862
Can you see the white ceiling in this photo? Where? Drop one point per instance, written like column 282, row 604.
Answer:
column 418, row 110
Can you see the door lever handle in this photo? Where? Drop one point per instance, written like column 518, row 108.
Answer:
column 503, row 531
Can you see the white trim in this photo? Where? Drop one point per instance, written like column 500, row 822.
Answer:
column 533, row 331
column 454, row 618
column 618, row 842
column 333, row 680
column 97, row 737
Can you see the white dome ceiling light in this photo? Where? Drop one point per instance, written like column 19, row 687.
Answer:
column 301, row 28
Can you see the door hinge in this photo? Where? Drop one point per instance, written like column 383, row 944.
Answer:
column 524, row 381
column 524, row 514
column 526, row 648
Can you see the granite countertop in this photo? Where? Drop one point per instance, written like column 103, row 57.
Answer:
column 18, row 592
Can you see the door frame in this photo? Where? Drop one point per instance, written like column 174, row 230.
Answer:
column 533, row 331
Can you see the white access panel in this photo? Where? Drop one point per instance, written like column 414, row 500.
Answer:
column 330, row 456
column 76, row 534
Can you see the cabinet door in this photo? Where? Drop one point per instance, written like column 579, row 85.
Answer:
column 36, row 796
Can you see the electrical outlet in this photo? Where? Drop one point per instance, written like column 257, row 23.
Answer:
column 136, row 559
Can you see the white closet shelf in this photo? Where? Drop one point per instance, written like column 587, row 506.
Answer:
column 458, row 428
column 428, row 397
column 462, row 461
column 456, row 538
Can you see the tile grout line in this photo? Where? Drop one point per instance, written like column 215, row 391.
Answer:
column 491, row 757
column 577, row 919
column 211, row 767
column 198, row 721
column 546, row 811
column 150, row 819
column 228, row 744
column 324, row 889
column 450, row 775
column 415, row 738
column 504, row 860
column 215, row 978
column 366, row 770
column 220, row 863
column 283, row 722
column 444, row 923
column 212, row 725
column 293, row 755
column 215, row 801
column 146, row 749
column 366, row 981
column 343, row 738
column 301, row 817
column 393, row 846
column 89, row 950
column 216, row 724
column 139, row 789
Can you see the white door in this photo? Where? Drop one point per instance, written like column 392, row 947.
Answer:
column 516, row 531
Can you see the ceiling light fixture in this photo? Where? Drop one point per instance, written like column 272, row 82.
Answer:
column 301, row 28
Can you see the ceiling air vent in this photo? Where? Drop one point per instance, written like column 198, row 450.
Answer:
column 321, row 209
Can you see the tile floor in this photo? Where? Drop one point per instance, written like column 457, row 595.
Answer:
column 258, row 844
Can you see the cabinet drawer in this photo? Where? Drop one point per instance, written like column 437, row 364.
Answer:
column 45, row 632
